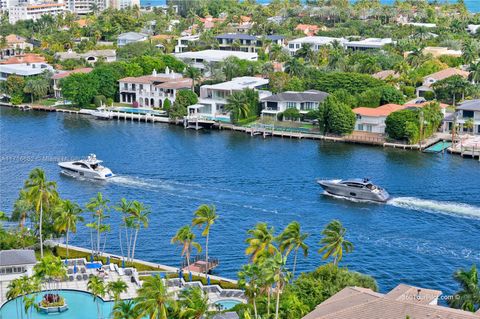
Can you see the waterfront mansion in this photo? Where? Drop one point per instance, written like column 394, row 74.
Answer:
column 151, row 91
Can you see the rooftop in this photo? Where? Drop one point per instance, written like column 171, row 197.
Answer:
column 238, row 84
column 383, row 110
column 167, row 80
column 370, row 42
column 400, row 303
column 64, row 74
column 216, row 55
column 25, row 58
column 440, row 75
column 14, row 39
column 92, row 53
column 472, row 105
column 132, row 36
column 24, row 69
column 317, row 40
column 241, row 36
column 292, row 96
column 17, row 257
column 382, row 75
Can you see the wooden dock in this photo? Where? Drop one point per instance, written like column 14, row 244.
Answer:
column 199, row 264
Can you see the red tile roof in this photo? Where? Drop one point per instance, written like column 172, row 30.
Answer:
column 440, row 75
column 308, row 29
column 383, row 110
column 67, row 73
column 25, row 58
column 13, row 39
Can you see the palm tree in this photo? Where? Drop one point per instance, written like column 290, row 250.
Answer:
column 250, row 278
column 37, row 87
column 474, row 75
column 50, row 269
column 276, row 271
column 194, row 303
column 29, row 305
column 468, row 298
column 41, row 193
column 305, row 52
column 15, row 290
column 21, row 208
column 139, row 215
column 293, row 239
column 67, row 220
column 185, row 237
column 334, row 242
column 153, row 299
column 205, row 216
column 124, row 209
column 260, row 242
column 469, row 52
column 295, row 67
column 96, row 287
column 230, row 67
column 193, row 73
column 238, row 106
column 125, row 310
column 115, row 288
column 98, row 206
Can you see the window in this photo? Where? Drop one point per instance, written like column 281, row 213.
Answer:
column 467, row 114
column 291, row 105
column 360, row 127
column 140, row 86
column 133, row 86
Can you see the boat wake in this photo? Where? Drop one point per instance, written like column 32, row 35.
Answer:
column 138, row 183
column 433, row 206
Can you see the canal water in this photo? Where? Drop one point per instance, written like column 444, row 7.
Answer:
column 429, row 229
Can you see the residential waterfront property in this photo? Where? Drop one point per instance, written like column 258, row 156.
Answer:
column 184, row 42
column 430, row 79
column 315, row 43
column 201, row 59
column 57, row 90
column 130, row 37
column 303, row 101
column 402, row 302
column 34, row 10
column 16, row 263
column 368, row 44
column 23, row 69
column 91, row 56
column 466, row 111
column 372, row 120
column 16, row 45
column 246, row 42
column 439, row 51
column 213, row 98
column 151, row 91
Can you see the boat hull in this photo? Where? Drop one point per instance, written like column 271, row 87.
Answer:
column 357, row 193
column 67, row 170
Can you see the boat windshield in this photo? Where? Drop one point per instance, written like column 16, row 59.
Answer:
column 371, row 187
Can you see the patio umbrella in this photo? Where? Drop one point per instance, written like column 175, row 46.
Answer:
column 190, row 276
column 91, row 258
column 108, row 260
column 75, row 268
column 123, row 263
column 66, row 261
column 180, row 274
column 208, row 280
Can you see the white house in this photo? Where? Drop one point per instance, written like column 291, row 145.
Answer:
column 23, row 69
column 198, row 59
column 373, row 119
column 16, row 45
column 213, row 98
column 303, row 101
column 430, row 79
column 151, row 91
column 16, row 263
column 130, row 37
column 33, row 11
column 468, row 110
column 183, row 42
column 91, row 56
column 367, row 44
column 314, row 41
column 246, row 42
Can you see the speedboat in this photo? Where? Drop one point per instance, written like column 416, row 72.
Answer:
column 357, row 188
column 88, row 168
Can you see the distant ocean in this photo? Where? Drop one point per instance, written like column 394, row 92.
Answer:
column 472, row 5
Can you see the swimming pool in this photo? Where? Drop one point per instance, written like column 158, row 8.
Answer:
column 80, row 306
column 227, row 304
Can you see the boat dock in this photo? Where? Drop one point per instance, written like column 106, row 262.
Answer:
column 199, row 264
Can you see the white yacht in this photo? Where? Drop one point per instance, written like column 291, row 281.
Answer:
column 88, row 168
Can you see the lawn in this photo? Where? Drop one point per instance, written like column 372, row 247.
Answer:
column 46, row 102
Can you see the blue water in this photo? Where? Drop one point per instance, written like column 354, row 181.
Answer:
column 80, row 306
column 226, row 304
column 430, row 229
column 472, row 5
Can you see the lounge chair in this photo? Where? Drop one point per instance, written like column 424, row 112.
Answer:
column 85, row 276
column 83, row 270
column 128, row 272
column 70, row 278
column 69, row 271
column 79, row 277
column 111, row 267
